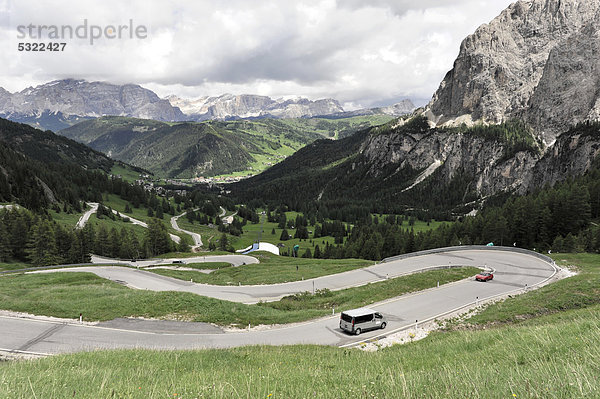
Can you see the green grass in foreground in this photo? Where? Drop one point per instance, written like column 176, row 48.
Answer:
column 550, row 360
column 67, row 294
column 551, row 356
column 272, row 269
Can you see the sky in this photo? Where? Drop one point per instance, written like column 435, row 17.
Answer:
column 363, row 53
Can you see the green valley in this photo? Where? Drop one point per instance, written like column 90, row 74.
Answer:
column 213, row 148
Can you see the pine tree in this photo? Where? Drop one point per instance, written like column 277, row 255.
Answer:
column 317, row 252
column 115, row 243
column 5, row 251
column 64, row 241
column 284, row 235
column 136, row 247
column 301, row 232
column 126, row 249
column 157, row 238
column 88, row 235
column 282, row 221
column 191, row 216
column 102, row 242
column 569, row 243
column 317, row 233
column 41, row 250
column 557, row 245
column 223, row 242
column 183, row 246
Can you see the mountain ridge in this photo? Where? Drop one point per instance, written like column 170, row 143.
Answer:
column 515, row 66
column 69, row 98
column 60, row 104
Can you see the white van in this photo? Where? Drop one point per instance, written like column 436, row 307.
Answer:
column 358, row 320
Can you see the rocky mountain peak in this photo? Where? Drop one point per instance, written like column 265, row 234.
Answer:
column 229, row 106
column 535, row 61
column 73, row 97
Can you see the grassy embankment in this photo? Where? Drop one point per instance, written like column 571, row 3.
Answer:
column 67, row 294
column 546, row 347
column 272, row 269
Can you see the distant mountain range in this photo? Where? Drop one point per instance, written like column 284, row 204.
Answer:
column 62, row 103
column 247, row 106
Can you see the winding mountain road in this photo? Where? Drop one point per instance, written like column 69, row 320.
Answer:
column 94, row 208
column 515, row 271
column 195, row 236
column 86, row 216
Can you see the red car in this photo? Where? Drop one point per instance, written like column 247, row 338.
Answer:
column 484, row 277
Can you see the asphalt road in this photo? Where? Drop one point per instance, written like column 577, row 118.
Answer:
column 94, row 208
column 514, row 273
column 235, row 260
column 195, row 236
column 86, row 216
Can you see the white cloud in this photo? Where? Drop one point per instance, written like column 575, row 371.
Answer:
column 358, row 52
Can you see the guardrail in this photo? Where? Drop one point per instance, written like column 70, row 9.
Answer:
column 469, row 247
column 478, row 301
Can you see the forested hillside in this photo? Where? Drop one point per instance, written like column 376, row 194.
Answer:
column 40, row 169
column 561, row 219
column 41, row 173
column 186, row 150
column 407, row 165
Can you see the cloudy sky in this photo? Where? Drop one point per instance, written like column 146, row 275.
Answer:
column 361, row 52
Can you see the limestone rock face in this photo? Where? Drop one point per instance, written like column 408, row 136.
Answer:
column 230, row 106
column 448, row 153
column 402, row 108
column 536, row 61
column 568, row 92
column 80, row 98
column 573, row 154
